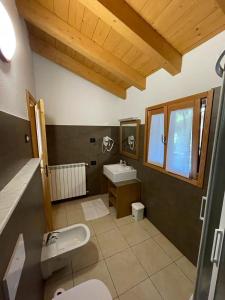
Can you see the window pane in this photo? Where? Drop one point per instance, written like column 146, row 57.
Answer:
column 156, row 146
column 179, row 148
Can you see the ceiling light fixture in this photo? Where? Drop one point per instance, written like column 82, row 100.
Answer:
column 7, row 36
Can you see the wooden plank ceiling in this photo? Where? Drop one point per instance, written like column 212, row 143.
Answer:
column 117, row 44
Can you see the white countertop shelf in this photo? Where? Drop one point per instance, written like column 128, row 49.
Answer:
column 11, row 194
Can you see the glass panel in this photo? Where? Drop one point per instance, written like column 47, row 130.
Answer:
column 156, row 146
column 215, row 194
column 179, row 149
column 220, row 286
column 129, row 138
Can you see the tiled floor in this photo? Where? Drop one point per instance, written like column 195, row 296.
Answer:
column 133, row 259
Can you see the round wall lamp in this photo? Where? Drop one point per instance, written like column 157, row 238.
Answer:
column 7, row 36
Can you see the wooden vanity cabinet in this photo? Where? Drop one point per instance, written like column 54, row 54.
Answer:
column 123, row 194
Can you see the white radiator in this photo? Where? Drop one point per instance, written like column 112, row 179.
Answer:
column 67, row 181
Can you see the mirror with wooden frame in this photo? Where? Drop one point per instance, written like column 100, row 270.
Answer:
column 129, row 138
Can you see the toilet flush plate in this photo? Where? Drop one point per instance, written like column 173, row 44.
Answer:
column 14, row 270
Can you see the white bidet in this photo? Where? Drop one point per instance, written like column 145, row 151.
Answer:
column 58, row 247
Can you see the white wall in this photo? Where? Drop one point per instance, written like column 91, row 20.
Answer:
column 197, row 75
column 16, row 76
column 69, row 99
column 73, row 100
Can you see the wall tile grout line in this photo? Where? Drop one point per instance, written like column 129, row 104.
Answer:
column 193, row 282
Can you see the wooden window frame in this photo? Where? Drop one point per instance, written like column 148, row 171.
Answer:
column 167, row 108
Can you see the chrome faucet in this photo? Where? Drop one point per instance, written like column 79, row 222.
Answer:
column 51, row 237
column 123, row 162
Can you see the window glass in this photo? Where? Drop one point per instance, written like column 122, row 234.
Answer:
column 156, row 137
column 179, row 148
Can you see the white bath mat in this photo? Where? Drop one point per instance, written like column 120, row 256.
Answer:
column 94, row 209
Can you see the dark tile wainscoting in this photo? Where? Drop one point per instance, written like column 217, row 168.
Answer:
column 71, row 144
column 14, row 152
column 171, row 204
column 28, row 219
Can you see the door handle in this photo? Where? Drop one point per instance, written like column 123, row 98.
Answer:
column 217, row 246
column 202, row 210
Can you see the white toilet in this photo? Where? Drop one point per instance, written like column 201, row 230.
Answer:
column 90, row 290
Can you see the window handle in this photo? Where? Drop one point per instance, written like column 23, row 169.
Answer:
column 217, row 246
column 163, row 139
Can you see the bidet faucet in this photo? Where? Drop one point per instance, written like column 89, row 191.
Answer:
column 51, row 237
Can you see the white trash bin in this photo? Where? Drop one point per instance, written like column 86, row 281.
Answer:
column 137, row 211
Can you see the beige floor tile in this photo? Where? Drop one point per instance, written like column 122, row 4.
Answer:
column 151, row 256
column 59, row 220
column 75, row 216
column 65, row 282
column 112, row 211
column 57, row 275
column 172, row 283
column 168, row 247
column 73, row 205
column 124, row 221
column 93, row 197
column 58, row 208
column 149, row 227
column 103, row 224
column 125, row 270
column 134, row 233
column 89, row 225
column 86, row 255
column 105, row 198
column 187, row 268
column 96, row 271
column 143, row 291
column 111, row 242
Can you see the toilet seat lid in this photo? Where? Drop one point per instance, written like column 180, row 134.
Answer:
column 90, row 290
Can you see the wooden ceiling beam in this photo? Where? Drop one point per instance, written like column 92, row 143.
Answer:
column 46, row 50
column 48, row 22
column 126, row 21
column 221, row 4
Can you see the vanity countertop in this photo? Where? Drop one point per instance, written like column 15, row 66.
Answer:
column 126, row 182
column 10, row 195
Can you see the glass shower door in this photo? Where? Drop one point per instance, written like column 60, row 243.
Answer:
column 217, row 287
column 220, row 286
column 214, row 201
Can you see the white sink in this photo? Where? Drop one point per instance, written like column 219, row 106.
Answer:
column 118, row 172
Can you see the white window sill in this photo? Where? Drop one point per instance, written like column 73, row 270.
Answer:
column 11, row 194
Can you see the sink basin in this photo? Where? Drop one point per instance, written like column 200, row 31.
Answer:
column 118, row 172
